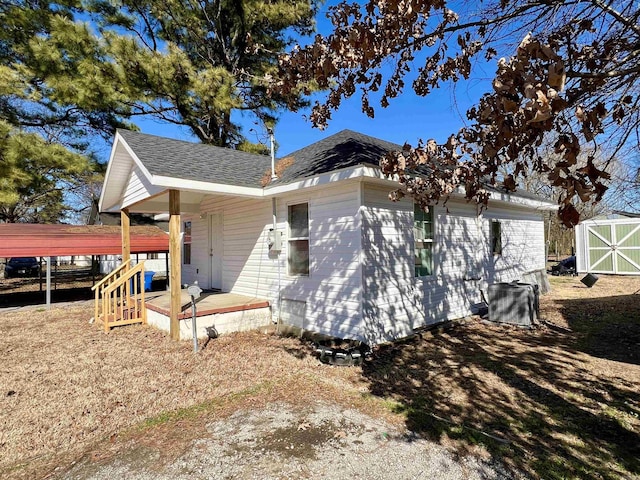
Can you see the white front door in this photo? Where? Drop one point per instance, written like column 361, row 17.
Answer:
column 215, row 250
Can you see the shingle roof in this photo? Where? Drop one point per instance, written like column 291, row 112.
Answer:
column 196, row 161
column 344, row 149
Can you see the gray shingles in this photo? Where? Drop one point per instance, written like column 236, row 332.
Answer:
column 344, row 149
column 196, row 161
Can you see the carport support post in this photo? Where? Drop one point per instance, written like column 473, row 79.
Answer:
column 174, row 258
column 125, row 223
column 48, row 294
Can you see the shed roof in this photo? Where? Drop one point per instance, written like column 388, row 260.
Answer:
column 38, row 240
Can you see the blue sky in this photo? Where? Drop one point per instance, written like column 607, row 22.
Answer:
column 407, row 119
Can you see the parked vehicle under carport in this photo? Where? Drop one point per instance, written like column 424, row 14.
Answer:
column 22, row 267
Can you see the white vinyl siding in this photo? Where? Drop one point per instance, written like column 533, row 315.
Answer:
column 247, row 268
column 523, row 248
column 361, row 282
column 332, row 288
column 138, row 188
column 331, row 291
column 395, row 301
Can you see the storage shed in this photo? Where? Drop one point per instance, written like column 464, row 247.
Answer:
column 605, row 245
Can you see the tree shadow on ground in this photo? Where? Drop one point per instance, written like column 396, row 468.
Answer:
column 21, row 299
column 530, row 397
column 606, row 327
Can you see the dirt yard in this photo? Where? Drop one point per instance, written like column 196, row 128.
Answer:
column 484, row 401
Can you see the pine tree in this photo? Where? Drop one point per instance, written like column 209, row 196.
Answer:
column 74, row 71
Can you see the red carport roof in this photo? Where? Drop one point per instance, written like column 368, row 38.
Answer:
column 37, row 240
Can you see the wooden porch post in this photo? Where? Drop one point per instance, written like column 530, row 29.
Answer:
column 125, row 223
column 175, row 255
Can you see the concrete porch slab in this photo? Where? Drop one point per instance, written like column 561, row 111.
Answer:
column 209, row 303
column 226, row 312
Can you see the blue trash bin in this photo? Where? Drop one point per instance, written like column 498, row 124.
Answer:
column 134, row 279
column 148, row 278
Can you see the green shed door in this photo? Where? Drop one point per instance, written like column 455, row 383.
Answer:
column 614, row 248
column 628, row 248
column 599, row 243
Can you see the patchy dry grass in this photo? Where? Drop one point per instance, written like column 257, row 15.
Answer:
column 558, row 402
column 65, row 384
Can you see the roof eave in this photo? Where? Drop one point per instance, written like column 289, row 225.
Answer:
column 207, row 187
column 119, row 203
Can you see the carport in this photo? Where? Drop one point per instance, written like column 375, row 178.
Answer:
column 38, row 240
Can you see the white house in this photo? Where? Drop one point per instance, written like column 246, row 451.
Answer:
column 322, row 243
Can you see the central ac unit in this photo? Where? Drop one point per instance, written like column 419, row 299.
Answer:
column 513, row 303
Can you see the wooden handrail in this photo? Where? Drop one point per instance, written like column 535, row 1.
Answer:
column 124, row 278
column 110, row 276
column 122, row 293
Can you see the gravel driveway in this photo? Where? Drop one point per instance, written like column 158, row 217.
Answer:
column 319, row 442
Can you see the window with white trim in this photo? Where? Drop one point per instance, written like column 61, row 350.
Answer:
column 298, row 239
column 423, row 235
column 186, row 244
column 496, row 237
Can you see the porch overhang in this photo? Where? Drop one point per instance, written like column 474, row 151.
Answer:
column 129, row 184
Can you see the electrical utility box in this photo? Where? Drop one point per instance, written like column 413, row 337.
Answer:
column 514, row 303
column 274, row 240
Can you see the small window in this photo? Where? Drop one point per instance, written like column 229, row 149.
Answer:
column 423, row 234
column 298, row 251
column 186, row 244
column 152, row 256
column 496, row 237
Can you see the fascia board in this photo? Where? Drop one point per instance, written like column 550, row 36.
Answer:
column 323, row 179
column 511, row 199
column 116, row 141
column 206, row 187
column 119, row 140
column 514, row 199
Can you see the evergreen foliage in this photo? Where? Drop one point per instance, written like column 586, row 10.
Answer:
column 73, row 71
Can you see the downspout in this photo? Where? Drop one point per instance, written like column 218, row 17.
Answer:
column 548, row 242
column 275, row 232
